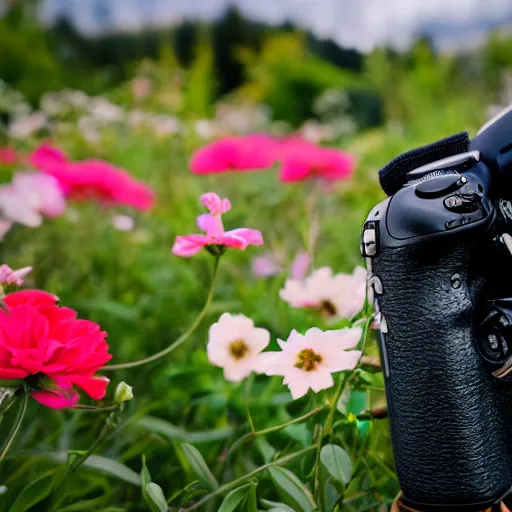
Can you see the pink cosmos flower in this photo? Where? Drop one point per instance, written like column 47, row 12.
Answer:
column 300, row 265
column 8, row 156
column 10, row 277
column 5, row 226
column 93, row 178
column 339, row 296
column 234, row 345
column 270, row 264
column 29, row 197
column 257, row 151
column 266, row 266
column 215, row 236
column 215, row 204
column 40, row 338
column 307, row 361
column 302, row 160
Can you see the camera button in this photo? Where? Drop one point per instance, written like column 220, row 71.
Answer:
column 438, row 187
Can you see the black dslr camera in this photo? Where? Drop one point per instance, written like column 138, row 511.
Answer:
column 439, row 259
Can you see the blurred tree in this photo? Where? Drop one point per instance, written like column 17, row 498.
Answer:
column 347, row 58
column 27, row 62
column 287, row 77
column 230, row 33
column 497, row 56
column 185, row 41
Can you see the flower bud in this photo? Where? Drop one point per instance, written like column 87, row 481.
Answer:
column 123, row 393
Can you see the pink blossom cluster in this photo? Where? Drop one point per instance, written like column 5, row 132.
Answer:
column 299, row 159
column 31, row 196
column 92, row 178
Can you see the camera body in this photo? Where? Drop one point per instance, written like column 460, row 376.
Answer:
column 438, row 256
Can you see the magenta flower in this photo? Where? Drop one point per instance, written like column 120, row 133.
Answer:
column 216, row 239
column 92, row 178
column 257, row 151
column 302, row 160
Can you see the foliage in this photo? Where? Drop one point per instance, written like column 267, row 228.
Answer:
column 189, row 438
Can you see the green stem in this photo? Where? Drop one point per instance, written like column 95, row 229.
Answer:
column 181, row 339
column 316, row 470
column 16, row 426
column 223, row 489
column 253, row 435
column 105, row 431
column 343, row 383
column 92, row 408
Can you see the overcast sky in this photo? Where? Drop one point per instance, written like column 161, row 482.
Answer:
column 362, row 24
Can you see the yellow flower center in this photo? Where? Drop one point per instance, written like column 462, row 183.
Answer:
column 308, row 360
column 238, row 349
column 328, row 308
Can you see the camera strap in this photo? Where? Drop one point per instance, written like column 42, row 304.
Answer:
column 393, row 175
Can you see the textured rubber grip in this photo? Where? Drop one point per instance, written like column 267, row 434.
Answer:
column 447, row 429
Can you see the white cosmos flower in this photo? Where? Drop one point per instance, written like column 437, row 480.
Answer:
column 123, row 222
column 335, row 296
column 24, row 127
column 234, row 344
column 307, row 361
column 29, row 196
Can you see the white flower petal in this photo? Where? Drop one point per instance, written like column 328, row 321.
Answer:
column 320, row 379
column 298, row 383
column 345, row 360
column 217, row 354
column 223, row 333
column 347, row 292
column 237, row 372
column 257, row 338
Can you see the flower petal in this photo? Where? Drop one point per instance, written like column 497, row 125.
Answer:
column 320, row 379
column 251, row 236
column 232, row 241
column 58, row 399
column 185, row 247
column 215, row 204
column 95, row 387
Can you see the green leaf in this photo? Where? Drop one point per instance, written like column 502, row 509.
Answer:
column 331, row 494
column 275, row 506
column 178, row 434
column 151, row 492
column 299, row 433
column 337, row 462
column 111, row 467
column 156, row 498
column 291, row 489
column 352, row 402
column 33, row 493
column 234, row 498
column 145, row 476
column 252, row 500
column 199, row 466
column 265, row 448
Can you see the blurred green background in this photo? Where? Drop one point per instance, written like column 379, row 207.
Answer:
column 191, row 81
